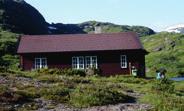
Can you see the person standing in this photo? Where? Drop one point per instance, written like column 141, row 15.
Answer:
column 158, row 74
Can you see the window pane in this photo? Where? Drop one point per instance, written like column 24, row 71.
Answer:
column 43, row 62
column 80, row 62
column 74, row 62
column 94, row 62
column 37, row 63
column 123, row 61
column 40, row 63
column 88, row 62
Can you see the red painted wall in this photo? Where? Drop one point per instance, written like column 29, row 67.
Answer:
column 108, row 61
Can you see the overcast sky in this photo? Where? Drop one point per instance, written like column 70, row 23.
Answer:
column 156, row 14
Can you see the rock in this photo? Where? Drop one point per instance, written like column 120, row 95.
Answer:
column 159, row 48
column 172, row 44
column 121, row 107
column 3, row 80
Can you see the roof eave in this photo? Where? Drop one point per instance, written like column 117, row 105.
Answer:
column 19, row 52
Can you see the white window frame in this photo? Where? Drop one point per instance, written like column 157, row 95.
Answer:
column 74, row 63
column 78, row 65
column 87, row 62
column 39, row 63
column 123, row 61
column 91, row 65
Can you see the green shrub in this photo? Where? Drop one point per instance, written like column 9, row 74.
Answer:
column 28, row 94
column 3, row 69
column 49, row 78
column 92, row 95
column 19, row 73
column 3, row 89
column 27, row 91
column 127, row 79
column 76, row 79
column 43, row 71
column 11, row 97
column 180, row 71
column 164, row 102
column 72, row 72
column 69, row 72
column 9, row 61
column 49, row 71
column 56, row 93
column 163, row 85
column 55, row 71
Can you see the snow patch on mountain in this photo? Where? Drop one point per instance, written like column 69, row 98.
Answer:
column 176, row 28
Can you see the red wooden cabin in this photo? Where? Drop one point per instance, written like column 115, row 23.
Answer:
column 112, row 53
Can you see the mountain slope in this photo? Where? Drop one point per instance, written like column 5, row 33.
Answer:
column 110, row 27
column 20, row 17
column 167, row 51
column 103, row 27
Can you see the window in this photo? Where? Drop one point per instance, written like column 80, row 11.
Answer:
column 40, row 63
column 91, row 61
column 123, row 60
column 78, row 62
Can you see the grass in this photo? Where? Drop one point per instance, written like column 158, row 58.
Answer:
column 86, row 91
column 166, row 50
column 57, row 93
column 72, row 89
column 92, row 95
column 164, row 102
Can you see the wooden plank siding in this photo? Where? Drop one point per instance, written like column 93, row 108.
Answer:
column 108, row 61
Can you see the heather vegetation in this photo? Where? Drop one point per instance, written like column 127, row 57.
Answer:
column 80, row 91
